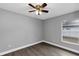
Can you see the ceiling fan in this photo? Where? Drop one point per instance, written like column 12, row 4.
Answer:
column 39, row 8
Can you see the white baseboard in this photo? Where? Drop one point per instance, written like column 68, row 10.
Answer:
column 15, row 49
column 75, row 51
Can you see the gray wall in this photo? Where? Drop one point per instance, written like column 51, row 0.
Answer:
column 17, row 30
column 53, row 28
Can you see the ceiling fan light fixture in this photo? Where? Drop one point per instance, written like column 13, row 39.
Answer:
column 38, row 12
column 39, row 9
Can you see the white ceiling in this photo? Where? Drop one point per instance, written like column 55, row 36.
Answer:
column 55, row 9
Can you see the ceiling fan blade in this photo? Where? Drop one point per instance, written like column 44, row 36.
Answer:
column 31, row 5
column 32, row 11
column 46, row 11
column 44, row 5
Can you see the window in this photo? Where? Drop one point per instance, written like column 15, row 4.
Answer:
column 71, row 32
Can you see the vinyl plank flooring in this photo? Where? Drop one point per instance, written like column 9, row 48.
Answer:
column 42, row 49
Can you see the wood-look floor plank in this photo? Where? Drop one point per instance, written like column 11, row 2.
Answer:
column 42, row 49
